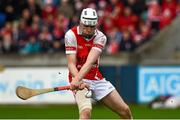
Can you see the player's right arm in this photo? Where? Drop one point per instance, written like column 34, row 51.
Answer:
column 72, row 68
column 71, row 46
column 71, row 59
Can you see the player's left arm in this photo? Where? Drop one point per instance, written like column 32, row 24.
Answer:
column 91, row 59
column 93, row 56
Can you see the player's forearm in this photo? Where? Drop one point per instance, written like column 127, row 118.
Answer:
column 73, row 70
column 91, row 59
column 83, row 71
column 72, row 64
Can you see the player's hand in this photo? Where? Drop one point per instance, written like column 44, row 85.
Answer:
column 83, row 85
column 76, row 85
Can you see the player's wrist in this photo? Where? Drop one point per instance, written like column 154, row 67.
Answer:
column 77, row 79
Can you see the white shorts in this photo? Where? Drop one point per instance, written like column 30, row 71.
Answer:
column 99, row 88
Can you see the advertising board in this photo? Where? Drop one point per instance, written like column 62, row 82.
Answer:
column 35, row 77
column 155, row 81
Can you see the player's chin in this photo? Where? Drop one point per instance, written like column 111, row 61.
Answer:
column 88, row 36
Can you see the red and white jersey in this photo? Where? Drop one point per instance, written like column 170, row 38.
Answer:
column 75, row 43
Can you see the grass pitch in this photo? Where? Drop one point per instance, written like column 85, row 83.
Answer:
column 71, row 112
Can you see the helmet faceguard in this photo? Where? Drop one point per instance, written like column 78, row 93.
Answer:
column 89, row 17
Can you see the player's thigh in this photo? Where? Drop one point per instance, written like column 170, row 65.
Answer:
column 114, row 101
column 82, row 101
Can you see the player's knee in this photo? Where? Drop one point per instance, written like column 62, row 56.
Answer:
column 85, row 114
column 125, row 112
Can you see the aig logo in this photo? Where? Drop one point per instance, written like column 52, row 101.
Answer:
column 158, row 81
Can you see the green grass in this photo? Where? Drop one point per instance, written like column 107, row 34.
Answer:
column 71, row 112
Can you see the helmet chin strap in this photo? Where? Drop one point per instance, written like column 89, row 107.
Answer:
column 86, row 36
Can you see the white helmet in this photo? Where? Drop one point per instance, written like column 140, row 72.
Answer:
column 89, row 17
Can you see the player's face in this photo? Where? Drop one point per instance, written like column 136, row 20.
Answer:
column 88, row 31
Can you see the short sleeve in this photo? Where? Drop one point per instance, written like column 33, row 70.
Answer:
column 70, row 42
column 100, row 42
